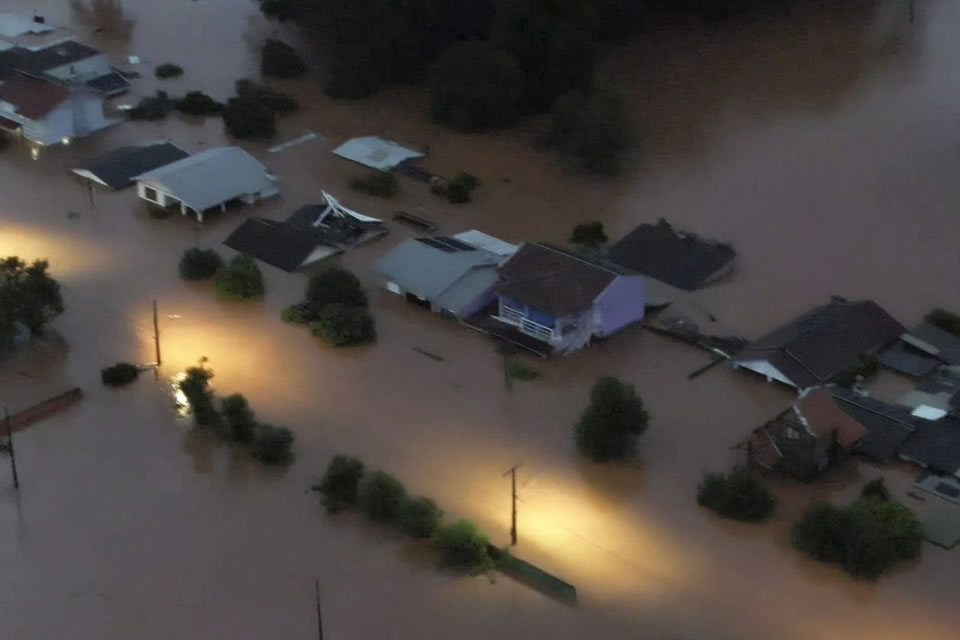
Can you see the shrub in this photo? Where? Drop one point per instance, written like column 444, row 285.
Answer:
column 295, row 314
column 590, row 131
column 468, row 180
column 199, row 264
column 458, row 190
column 342, row 326
column 241, row 280
column 238, row 419
column 244, row 118
column 946, row 320
column 876, row 489
column 381, row 184
column 197, row 103
column 334, row 286
column 168, row 70
column 272, row 445
column 740, row 495
column 521, row 370
column 610, row 424
column 155, row 107
column 352, row 73
column 196, row 388
column 461, row 546
column 458, row 193
column 274, row 100
column 865, row 367
column 339, row 485
column 419, row 517
column 589, row 235
column 281, row 60
column 382, row 497
column 119, row 374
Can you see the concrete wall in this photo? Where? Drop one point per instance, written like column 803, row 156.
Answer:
column 621, row 304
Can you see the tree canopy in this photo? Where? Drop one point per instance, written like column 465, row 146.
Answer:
column 590, row 131
column 610, row 424
column 29, row 298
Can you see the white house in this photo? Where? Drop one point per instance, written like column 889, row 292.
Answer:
column 47, row 113
column 209, row 180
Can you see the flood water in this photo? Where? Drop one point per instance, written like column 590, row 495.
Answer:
column 824, row 148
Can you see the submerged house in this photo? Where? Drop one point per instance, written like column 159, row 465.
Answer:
column 29, row 33
column 208, row 181
column 118, row 168
column 45, row 112
column 553, row 301
column 807, row 438
column 823, row 343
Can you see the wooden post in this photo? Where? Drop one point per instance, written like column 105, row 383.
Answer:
column 13, row 455
column 513, row 503
column 156, row 333
column 319, row 616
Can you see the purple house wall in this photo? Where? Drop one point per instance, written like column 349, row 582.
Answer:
column 622, row 303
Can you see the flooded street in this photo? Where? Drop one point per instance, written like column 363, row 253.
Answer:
column 826, row 150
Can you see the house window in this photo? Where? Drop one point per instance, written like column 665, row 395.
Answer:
column 792, row 434
column 150, row 194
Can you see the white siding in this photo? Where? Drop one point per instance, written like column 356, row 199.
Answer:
column 57, row 125
column 88, row 112
column 764, row 368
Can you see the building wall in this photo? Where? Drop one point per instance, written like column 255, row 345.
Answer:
column 621, row 304
column 804, row 456
column 88, row 113
column 82, row 70
column 53, row 128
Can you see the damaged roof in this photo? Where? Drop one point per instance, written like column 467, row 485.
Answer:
column 888, row 426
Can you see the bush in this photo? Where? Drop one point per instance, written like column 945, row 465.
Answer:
column 274, row 100
column 238, row 419
column 197, row 103
column 865, row 367
column 462, row 546
column 272, row 445
column 280, row 60
column 244, row 118
column 590, row 131
column 339, row 485
column 458, row 193
column 468, row 180
column 341, row 326
column 382, row 497
column 168, row 70
column 199, row 264
column 195, row 387
column 610, row 424
column 521, row 370
column 241, row 280
column 740, row 495
column 334, row 286
column 352, row 73
column 876, row 489
column 119, row 374
column 589, row 235
column 295, row 314
column 155, row 107
column 381, row 184
column 419, row 517
column 946, row 320
column 474, row 86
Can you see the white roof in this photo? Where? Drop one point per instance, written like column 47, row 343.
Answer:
column 15, row 24
column 334, row 205
column 211, row 177
column 487, row 242
column 376, row 153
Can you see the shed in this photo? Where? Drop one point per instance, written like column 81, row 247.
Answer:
column 376, row 153
column 118, row 168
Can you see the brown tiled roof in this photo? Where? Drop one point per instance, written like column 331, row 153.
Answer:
column 552, row 280
column 822, row 416
column 31, row 97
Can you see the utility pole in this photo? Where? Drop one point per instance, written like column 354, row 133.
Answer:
column 13, row 456
column 156, row 332
column 319, row 616
column 506, row 350
column 512, row 472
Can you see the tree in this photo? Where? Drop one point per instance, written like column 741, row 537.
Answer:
column 342, row 326
column 419, row 517
column 946, row 320
column 241, row 280
column 199, row 264
column 462, row 546
column 168, row 70
column 295, row 314
column 276, row 101
column 280, row 60
column 382, row 496
column 245, row 118
column 876, row 489
column 339, row 485
column 29, row 298
column 588, row 235
column 335, row 285
column 195, row 387
column 239, row 423
column 740, row 495
column 197, row 103
column 119, row 374
column 272, row 445
column 474, row 86
column 590, row 131
column 610, row 424
column 381, row 184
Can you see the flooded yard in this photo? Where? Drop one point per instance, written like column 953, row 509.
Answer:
column 824, row 149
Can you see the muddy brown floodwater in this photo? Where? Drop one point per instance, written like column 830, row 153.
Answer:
column 824, row 148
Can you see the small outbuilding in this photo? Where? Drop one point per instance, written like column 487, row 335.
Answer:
column 118, row 168
column 376, row 153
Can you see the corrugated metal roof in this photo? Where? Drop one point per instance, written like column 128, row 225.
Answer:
column 375, row 152
column 428, row 271
column 485, row 241
column 467, row 289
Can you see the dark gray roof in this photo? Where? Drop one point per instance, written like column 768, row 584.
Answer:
column 888, row 426
column 118, row 168
column 111, row 84
column 933, row 340
column 680, row 259
column 272, row 242
column 56, row 56
column 908, row 361
column 10, row 62
column 825, row 341
column 935, row 445
column 552, row 280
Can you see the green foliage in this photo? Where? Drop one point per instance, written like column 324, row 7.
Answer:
column 521, row 370
column 197, row 103
column 381, row 184
column 196, row 388
column 274, row 100
column 382, row 497
column 168, row 70
column 474, row 86
column 590, row 131
column 151, row 108
column 246, row 119
column 280, row 10
column 354, row 73
column 740, row 495
column 865, row 367
column 334, row 286
column 458, row 193
column 342, row 326
column 589, row 235
column 280, row 60
column 946, row 320
column 199, row 264
column 468, row 180
column 295, row 314
column 239, row 423
column 419, row 517
column 119, row 374
column 339, row 485
column 272, row 445
column 29, row 298
column 610, row 424
column 241, row 280
column 867, row 538
column 462, row 546
column 876, row 489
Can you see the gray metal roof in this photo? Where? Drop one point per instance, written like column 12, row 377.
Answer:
column 211, row 177
column 935, row 341
column 467, row 289
column 429, row 272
